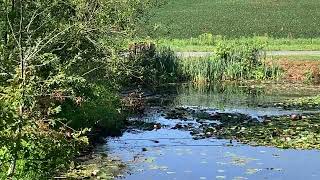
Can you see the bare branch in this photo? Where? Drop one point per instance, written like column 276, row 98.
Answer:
column 12, row 31
column 49, row 41
column 94, row 69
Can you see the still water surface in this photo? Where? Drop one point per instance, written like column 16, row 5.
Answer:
column 169, row 153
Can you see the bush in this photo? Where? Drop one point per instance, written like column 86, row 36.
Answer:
column 149, row 66
column 56, row 78
column 102, row 111
column 39, row 148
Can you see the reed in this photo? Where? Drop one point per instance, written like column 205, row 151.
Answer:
column 231, row 61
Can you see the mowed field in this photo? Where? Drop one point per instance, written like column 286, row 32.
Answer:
column 238, row 18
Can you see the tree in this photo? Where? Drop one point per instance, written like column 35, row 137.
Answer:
column 57, row 56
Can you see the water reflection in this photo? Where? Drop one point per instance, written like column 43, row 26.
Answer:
column 254, row 100
column 172, row 154
column 231, row 95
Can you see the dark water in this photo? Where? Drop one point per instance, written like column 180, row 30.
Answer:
column 173, row 154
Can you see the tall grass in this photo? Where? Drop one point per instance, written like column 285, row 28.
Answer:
column 207, row 42
column 150, row 66
column 231, row 61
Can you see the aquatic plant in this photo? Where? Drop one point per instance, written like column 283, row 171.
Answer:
column 295, row 131
column 282, row 132
column 301, row 103
column 231, row 61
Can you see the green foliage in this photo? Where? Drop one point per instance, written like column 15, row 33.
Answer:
column 147, row 65
column 27, row 139
column 56, row 67
column 207, row 42
column 281, row 19
column 231, row 61
column 102, row 110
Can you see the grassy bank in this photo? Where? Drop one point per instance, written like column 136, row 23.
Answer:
column 295, row 57
column 280, row 19
column 207, row 42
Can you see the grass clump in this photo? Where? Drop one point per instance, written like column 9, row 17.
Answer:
column 231, row 61
column 148, row 65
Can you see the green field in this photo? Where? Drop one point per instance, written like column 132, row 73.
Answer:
column 207, row 42
column 238, row 18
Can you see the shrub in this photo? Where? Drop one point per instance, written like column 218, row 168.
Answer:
column 149, row 66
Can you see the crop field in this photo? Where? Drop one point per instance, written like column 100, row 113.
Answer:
column 238, row 18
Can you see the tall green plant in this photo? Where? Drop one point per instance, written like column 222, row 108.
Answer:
column 149, row 66
column 231, row 61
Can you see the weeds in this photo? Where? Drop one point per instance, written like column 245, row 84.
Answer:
column 150, row 66
column 231, row 61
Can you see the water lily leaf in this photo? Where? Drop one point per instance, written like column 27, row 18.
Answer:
column 154, row 167
column 221, row 163
column 220, row 177
column 239, row 178
column 150, row 160
column 252, row 171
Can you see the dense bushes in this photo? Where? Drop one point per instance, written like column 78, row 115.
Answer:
column 146, row 65
column 57, row 78
column 102, row 111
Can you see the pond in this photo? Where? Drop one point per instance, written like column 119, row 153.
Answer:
column 168, row 152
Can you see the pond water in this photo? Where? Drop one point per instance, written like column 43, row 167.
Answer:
column 170, row 153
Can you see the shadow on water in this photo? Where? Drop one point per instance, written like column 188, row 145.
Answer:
column 157, row 149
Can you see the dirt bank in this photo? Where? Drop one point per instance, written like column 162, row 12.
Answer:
column 300, row 70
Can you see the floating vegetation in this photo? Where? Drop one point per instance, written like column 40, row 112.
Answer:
column 96, row 167
column 239, row 178
column 307, row 103
column 162, row 142
column 294, row 131
column 281, row 132
column 239, row 160
column 253, row 170
column 220, row 177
